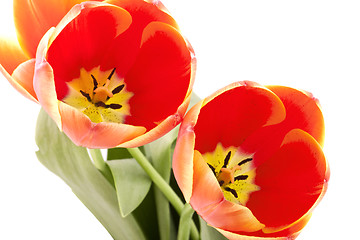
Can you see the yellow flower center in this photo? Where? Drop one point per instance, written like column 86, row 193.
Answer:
column 234, row 171
column 101, row 95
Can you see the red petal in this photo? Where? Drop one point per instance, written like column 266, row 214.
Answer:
column 161, row 76
column 291, row 181
column 234, row 113
column 128, row 43
column 33, row 19
column 302, row 111
column 83, row 42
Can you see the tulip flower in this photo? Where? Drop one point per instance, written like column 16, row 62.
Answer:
column 112, row 73
column 249, row 160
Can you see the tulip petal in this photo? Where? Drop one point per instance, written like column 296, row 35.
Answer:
column 34, row 18
column 184, row 152
column 289, row 233
column 302, row 111
column 164, row 127
column 144, row 12
column 209, row 202
column 11, row 54
column 83, row 132
column 234, row 113
column 22, row 79
column 44, row 85
column 45, row 90
column 83, row 42
column 236, row 236
column 128, row 43
column 24, row 75
column 164, row 61
column 291, row 181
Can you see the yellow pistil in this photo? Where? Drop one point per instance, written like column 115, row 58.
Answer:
column 227, row 175
column 102, row 93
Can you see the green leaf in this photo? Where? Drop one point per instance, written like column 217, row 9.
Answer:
column 119, row 153
column 185, row 222
column 209, row 233
column 146, row 216
column 131, row 182
column 72, row 164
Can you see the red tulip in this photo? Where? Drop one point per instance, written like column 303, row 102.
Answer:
column 249, row 160
column 112, row 73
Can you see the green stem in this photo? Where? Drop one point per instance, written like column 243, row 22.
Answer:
column 100, row 164
column 162, row 185
column 185, row 220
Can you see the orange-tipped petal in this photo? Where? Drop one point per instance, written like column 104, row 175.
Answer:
column 209, row 202
column 22, row 79
column 24, row 75
column 290, row 233
column 11, row 54
column 45, row 90
column 164, row 61
column 234, row 113
column 302, row 111
column 236, row 236
column 184, row 152
column 34, row 18
column 44, row 85
column 291, row 181
column 79, row 128
column 164, row 127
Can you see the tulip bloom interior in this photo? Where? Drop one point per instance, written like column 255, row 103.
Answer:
column 249, row 160
column 106, row 79
column 107, row 100
column 234, row 172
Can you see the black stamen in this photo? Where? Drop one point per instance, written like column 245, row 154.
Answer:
column 212, row 168
column 111, row 74
column 241, row 177
column 115, row 106
column 221, row 183
column 95, row 82
column 101, row 104
column 245, row 161
column 232, row 191
column 118, row 89
column 85, row 95
column 226, row 160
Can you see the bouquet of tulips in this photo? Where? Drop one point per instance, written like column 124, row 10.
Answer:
column 116, row 76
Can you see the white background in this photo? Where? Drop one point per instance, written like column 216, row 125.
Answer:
column 311, row 45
